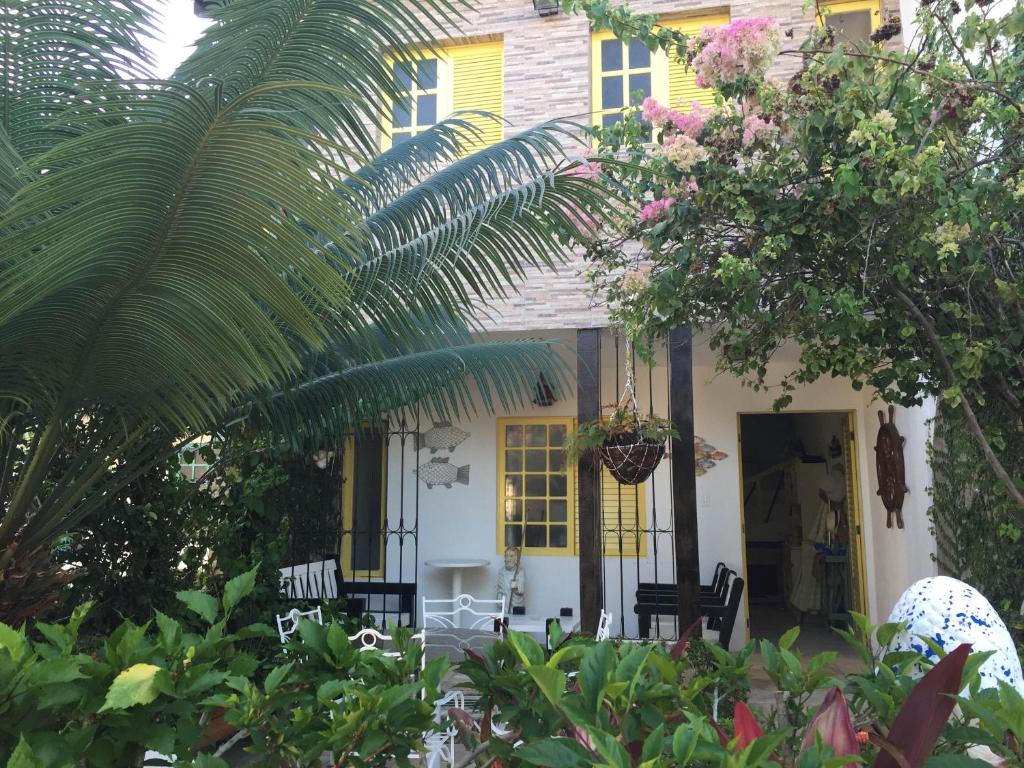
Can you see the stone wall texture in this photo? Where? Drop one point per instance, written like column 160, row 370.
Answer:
column 547, row 71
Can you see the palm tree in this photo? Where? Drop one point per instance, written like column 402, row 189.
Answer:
column 229, row 246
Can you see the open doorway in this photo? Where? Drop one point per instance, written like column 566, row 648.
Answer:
column 799, row 508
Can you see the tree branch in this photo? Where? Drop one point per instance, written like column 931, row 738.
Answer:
column 972, row 421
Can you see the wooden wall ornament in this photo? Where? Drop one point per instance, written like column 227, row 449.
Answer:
column 892, row 486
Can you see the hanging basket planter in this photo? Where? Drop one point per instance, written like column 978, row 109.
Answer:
column 631, row 458
column 629, row 445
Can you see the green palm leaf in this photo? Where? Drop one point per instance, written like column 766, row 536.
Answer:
column 51, row 49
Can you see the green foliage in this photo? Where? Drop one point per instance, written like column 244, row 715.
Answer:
column 632, row 705
column 157, row 685
column 622, row 425
column 857, row 212
column 978, row 536
column 271, row 270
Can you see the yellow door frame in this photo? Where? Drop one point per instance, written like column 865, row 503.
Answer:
column 859, row 576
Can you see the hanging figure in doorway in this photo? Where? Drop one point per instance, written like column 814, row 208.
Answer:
column 512, row 581
column 822, row 529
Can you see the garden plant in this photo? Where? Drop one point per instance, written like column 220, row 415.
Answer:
column 229, row 248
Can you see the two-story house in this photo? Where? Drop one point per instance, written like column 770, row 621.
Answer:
column 787, row 500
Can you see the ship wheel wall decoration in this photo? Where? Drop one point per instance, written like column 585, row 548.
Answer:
column 892, row 486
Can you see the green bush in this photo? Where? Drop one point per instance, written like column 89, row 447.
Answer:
column 645, row 706
column 156, row 685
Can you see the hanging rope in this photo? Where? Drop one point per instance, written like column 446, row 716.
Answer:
column 631, row 459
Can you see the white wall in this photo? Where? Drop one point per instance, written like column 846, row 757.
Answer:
column 462, row 520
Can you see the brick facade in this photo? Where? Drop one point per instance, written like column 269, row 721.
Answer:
column 547, row 75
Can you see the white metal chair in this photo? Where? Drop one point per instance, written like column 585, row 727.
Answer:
column 439, row 744
column 463, row 622
column 310, row 581
column 604, row 625
column 288, row 623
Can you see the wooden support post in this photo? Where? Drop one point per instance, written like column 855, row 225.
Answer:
column 684, row 478
column 588, row 408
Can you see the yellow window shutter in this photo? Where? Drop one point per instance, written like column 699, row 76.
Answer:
column 478, row 83
column 682, row 86
column 623, row 510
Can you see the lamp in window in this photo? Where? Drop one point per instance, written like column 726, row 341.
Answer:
column 544, row 395
column 546, row 7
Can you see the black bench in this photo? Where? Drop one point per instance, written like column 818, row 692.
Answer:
column 357, row 594
column 719, row 601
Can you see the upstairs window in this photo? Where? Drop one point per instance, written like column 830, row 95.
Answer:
column 457, row 79
column 624, row 74
column 852, row 22
column 418, row 110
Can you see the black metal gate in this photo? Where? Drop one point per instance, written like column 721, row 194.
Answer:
column 636, row 523
column 357, row 535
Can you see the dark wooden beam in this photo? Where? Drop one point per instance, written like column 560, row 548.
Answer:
column 684, row 478
column 588, row 408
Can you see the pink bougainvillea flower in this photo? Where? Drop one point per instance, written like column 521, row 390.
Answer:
column 742, row 47
column 833, row 726
column 690, row 123
column 656, row 209
column 755, row 128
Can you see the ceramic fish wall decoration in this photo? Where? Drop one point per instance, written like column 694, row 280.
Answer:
column 441, row 471
column 705, row 455
column 442, row 436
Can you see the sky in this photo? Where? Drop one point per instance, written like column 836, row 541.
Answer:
column 178, row 31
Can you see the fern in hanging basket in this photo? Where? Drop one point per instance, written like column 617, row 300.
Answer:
column 629, row 445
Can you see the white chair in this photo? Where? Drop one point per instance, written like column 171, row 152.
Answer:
column 310, row 581
column 604, row 625
column 288, row 623
column 460, row 620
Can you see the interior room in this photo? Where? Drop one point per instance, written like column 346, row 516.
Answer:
column 796, row 508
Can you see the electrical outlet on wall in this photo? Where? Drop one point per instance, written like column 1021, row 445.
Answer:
column 705, row 501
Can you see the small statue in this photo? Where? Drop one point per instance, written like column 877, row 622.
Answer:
column 512, row 580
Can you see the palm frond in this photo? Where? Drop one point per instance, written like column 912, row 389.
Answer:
column 344, row 42
column 441, row 381
column 51, row 49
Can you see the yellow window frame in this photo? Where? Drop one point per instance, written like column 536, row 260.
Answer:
column 852, row 6
column 445, row 92
column 568, row 423
column 348, row 487
column 658, row 70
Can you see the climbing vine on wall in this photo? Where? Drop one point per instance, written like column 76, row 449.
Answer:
column 979, row 539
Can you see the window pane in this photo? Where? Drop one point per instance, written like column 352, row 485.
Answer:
column 611, row 92
column 852, row 27
column 403, row 76
column 513, row 436
column 536, row 485
column 398, row 138
column 559, row 536
column 537, row 436
column 558, row 510
column 609, row 120
column 513, row 485
column 401, row 112
column 641, row 83
column 536, row 461
column 556, row 435
column 426, row 109
column 513, row 510
column 611, row 55
column 536, row 536
column 514, row 460
column 557, row 459
column 536, row 510
column 639, row 55
column 558, row 485
column 513, row 536
column 426, row 74
column 367, row 503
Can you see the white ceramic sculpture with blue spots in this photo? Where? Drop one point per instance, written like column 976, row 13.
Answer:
column 951, row 612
